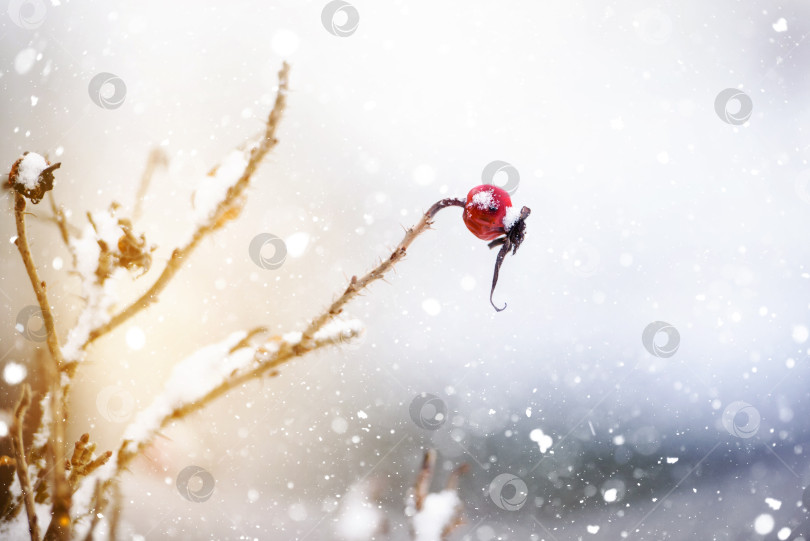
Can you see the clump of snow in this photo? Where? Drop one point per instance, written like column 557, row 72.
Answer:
column 360, row 518
column 43, row 435
column 339, row 329
column 99, row 297
column 484, row 199
column 29, row 170
column 292, row 338
column 17, row 527
column 773, row 503
column 191, row 379
column 438, row 512
column 543, row 441
column 510, row 218
column 610, row 495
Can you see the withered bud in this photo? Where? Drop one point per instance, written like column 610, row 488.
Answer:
column 32, row 176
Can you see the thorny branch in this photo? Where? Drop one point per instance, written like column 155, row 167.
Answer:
column 223, row 212
column 358, row 284
column 287, row 352
column 266, row 358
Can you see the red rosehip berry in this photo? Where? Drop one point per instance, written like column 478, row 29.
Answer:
column 485, row 210
column 489, row 215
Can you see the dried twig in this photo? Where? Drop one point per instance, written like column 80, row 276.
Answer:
column 82, row 462
column 157, row 158
column 216, row 220
column 60, row 522
column 115, row 514
column 443, row 514
column 309, row 341
column 61, row 222
column 358, row 284
column 422, row 486
column 61, row 499
column 95, row 511
column 22, row 465
column 39, row 286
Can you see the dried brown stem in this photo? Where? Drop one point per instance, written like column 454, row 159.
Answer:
column 60, row 523
column 39, row 286
column 452, row 481
column 22, row 464
column 423, row 480
column 60, row 527
column 421, row 490
column 358, row 284
column 157, row 158
column 218, row 217
column 61, row 222
column 115, row 514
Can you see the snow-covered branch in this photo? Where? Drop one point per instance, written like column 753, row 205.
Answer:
column 212, row 371
column 217, row 202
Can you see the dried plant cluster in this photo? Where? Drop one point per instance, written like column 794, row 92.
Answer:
column 65, row 494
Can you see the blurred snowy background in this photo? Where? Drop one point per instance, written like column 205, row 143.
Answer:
column 646, row 206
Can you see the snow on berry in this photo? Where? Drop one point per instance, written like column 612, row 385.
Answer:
column 510, row 218
column 484, row 199
column 489, row 215
column 484, row 212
